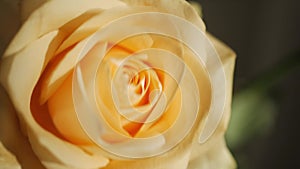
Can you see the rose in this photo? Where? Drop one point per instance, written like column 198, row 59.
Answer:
column 33, row 121
column 66, row 40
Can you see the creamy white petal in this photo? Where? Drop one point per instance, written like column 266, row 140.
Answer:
column 218, row 156
column 171, row 160
column 214, row 153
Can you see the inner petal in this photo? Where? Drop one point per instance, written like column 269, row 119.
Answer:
column 132, row 86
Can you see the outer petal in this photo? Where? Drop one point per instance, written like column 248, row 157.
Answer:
column 7, row 160
column 52, row 15
column 180, row 8
column 19, row 75
column 217, row 156
column 176, row 158
column 11, row 136
column 214, row 153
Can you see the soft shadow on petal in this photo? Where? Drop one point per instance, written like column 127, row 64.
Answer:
column 19, row 75
column 214, row 153
column 100, row 20
column 176, row 158
column 7, row 160
column 11, row 136
column 56, row 73
column 28, row 6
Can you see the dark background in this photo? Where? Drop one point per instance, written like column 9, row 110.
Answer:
column 264, row 34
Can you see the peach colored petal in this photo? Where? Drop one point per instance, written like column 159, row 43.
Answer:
column 98, row 21
column 176, row 158
column 218, row 156
column 180, row 8
column 31, row 51
column 52, row 151
column 64, row 117
column 137, row 43
column 179, row 156
column 214, row 153
column 50, row 16
column 19, row 75
column 205, row 151
column 24, row 68
column 58, row 72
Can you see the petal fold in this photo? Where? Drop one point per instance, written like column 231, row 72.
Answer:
column 52, row 15
column 214, row 153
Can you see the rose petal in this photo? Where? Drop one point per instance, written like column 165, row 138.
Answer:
column 64, row 117
column 57, row 73
column 52, row 15
column 137, row 43
column 24, row 69
column 218, row 156
column 214, row 153
column 7, row 160
column 180, row 8
column 11, row 136
column 98, row 21
column 176, row 158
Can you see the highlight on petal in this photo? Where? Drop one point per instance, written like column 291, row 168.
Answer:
column 24, row 69
column 214, row 153
column 98, row 21
column 58, row 71
column 180, row 8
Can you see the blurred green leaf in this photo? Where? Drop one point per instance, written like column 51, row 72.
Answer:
column 253, row 111
column 252, row 114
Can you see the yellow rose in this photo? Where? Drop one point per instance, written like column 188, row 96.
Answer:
column 116, row 84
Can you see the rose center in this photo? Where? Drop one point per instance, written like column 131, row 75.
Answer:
column 138, row 91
